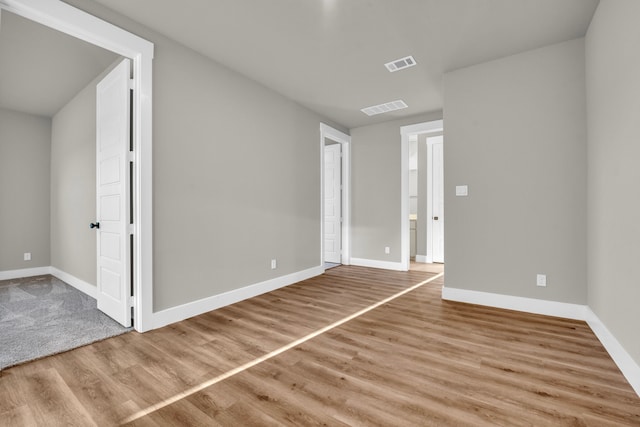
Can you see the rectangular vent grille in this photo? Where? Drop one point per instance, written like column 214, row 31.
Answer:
column 384, row 108
column 400, row 64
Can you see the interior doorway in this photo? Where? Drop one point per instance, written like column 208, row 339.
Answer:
column 435, row 199
column 332, row 203
column 418, row 194
column 83, row 26
column 335, row 173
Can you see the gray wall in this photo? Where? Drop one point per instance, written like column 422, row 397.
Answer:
column 24, row 190
column 73, row 186
column 236, row 176
column 613, row 100
column 516, row 134
column 375, row 183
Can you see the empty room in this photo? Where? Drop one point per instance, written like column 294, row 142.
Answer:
column 319, row 212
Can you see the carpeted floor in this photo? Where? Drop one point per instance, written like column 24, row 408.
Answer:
column 42, row 315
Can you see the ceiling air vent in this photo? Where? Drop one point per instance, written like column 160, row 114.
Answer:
column 400, row 64
column 384, row 108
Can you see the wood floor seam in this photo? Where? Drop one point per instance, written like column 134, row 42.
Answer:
column 415, row 360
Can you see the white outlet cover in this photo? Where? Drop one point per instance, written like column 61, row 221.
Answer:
column 27, row 256
column 541, row 280
column 462, row 190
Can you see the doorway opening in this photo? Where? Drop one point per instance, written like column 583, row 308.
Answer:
column 422, row 211
column 83, row 26
column 335, row 173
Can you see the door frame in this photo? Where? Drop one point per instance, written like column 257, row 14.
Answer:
column 81, row 25
column 328, row 132
column 432, row 127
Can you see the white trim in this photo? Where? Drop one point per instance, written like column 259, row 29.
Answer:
column 327, row 131
column 405, row 228
column 529, row 305
column 629, row 368
column 67, row 19
column 79, row 284
column 24, row 272
column 422, row 259
column 435, row 126
column 185, row 311
column 373, row 263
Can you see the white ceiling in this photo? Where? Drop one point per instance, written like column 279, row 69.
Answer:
column 41, row 70
column 328, row 54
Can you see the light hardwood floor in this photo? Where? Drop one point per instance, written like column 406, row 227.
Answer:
column 416, row 360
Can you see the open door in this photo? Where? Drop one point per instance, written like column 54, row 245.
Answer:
column 332, row 203
column 437, row 198
column 113, row 194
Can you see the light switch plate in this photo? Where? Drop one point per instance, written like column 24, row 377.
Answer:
column 462, row 190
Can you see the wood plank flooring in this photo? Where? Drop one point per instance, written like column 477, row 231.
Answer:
column 416, row 360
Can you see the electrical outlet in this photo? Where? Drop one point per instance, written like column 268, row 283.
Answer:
column 541, row 280
column 27, row 256
column 274, row 264
column 387, row 250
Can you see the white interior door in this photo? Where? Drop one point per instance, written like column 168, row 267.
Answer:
column 113, row 198
column 332, row 203
column 438, row 200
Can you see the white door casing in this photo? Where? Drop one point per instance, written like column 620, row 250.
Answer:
column 113, row 202
column 81, row 25
column 437, row 197
column 329, row 133
column 332, row 203
column 435, row 127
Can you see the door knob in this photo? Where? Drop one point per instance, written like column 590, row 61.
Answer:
column 94, row 225
column 435, row 218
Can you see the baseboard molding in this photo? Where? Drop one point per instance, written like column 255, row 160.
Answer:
column 529, row 305
column 372, row 263
column 629, row 368
column 24, row 272
column 421, row 258
column 185, row 311
column 79, row 284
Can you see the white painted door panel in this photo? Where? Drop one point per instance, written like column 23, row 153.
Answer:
column 438, row 202
column 332, row 203
column 113, row 203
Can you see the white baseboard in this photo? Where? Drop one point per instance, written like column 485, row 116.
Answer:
column 386, row 265
column 529, row 305
column 421, row 258
column 24, row 272
column 629, row 368
column 184, row 311
column 79, row 284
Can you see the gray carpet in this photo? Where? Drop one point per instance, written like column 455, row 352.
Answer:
column 42, row 315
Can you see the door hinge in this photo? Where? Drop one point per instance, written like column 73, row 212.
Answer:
column 131, row 229
column 131, row 156
column 131, row 83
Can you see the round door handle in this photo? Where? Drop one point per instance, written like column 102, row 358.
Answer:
column 94, row 225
